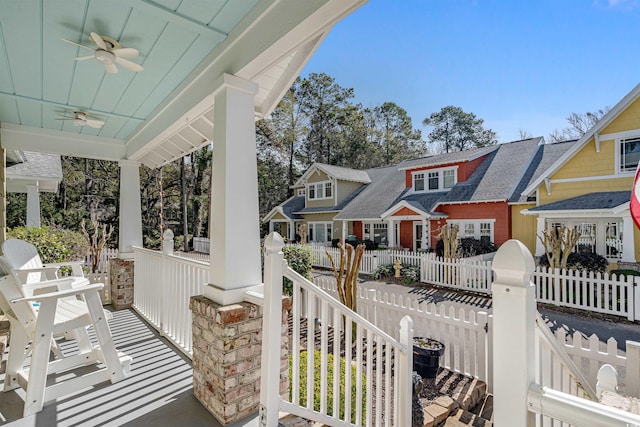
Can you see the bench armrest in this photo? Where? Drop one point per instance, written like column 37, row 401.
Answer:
column 61, row 294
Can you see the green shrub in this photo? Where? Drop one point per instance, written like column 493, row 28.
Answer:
column 410, row 273
column 468, row 247
column 383, row 271
column 53, row 244
column 329, row 375
column 583, row 261
column 625, row 273
column 299, row 259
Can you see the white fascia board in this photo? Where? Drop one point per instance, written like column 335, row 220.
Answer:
column 18, row 137
column 573, row 213
column 271, row 31
column 300, row 183
column 601, row 124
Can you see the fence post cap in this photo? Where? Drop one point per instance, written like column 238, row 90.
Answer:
column 273, row 242
column 513, row 264
column 168, row 234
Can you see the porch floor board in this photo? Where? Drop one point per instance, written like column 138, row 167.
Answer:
column 158, row 391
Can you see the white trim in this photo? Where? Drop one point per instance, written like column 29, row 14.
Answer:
column 620, row 135
column 591, row 178
column 618, row 142
column 322, row 184
column 440, row 171
column 476, row 231
column 469, row 202
column 615, row 212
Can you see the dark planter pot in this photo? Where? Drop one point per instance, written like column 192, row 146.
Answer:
column 426, row 356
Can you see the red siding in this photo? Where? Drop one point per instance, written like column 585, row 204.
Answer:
column 495, row 210
column 405, row 212
column 435, row 231
column 465, row 169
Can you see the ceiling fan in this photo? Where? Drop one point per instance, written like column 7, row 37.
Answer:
column 109, row 53
column 80, row 118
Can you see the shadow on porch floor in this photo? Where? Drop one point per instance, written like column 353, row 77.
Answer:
column 158, row 391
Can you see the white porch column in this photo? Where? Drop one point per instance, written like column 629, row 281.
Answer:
column 130, row 222
column 390, row 233
column 345, row 230
column 514, row 319
column 628, row 242
column 540, row 249
column 234, row 229
column 271, row 226
column 33, row 205
column 425, row 233
column 292, row 231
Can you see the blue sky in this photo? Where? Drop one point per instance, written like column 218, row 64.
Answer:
column 516, row 64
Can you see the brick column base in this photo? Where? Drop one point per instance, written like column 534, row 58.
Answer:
column 227, row 346
column 121, row 282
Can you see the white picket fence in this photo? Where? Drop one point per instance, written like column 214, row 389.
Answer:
column 465, row 333
column 103, row 264
column 163, row 286
column 467, row 336
column 201, row 244
column 597, row 292
column 458, row 273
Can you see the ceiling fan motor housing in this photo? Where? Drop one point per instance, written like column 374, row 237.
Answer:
column 105, row 57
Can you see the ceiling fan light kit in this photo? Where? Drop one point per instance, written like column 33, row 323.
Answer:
column 109, row 53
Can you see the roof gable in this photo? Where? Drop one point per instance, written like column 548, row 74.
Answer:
column 336, row 172
column 446, row 158
column 591, row 134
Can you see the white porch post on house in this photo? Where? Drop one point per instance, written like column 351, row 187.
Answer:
column 514, row 317
column 345, row 230
column 130, row 222
column 33, row 205
column 628, row 242
column 234, row 229
column 390, row 233
column 292, row 231
column 540, row 249
column 424, row 244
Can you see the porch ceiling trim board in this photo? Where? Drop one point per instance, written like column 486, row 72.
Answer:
column 17, row 137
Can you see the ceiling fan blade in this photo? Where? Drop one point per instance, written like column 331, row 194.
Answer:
column 132, row 66
column 95, row 123
column 82, row 58
column 98, row 41
column 77, row 44
column 111, row 68
column 64, row 118
column 126, row 52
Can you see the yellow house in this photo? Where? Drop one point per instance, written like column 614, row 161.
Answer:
column 589, row 187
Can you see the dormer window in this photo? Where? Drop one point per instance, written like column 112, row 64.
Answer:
column 436, row 180
column 320, row 190
column 629, row 154
column 301, row 192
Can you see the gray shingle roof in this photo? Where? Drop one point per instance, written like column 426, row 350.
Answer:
column 292, row 205
column 424, row 201
column 496, row 178
column 37, row 165
column 345, row 174
column 387, row 184
column 591, row 201
column 446, row 158
column 547, row 154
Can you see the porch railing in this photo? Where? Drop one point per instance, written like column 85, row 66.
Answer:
column 374, row 368
column 164, row 283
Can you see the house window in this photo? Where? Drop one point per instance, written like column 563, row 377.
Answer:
column 448, row 178
column 379, row 234
column 475, row 229
column 629, row 154
column 301, row 192
column 327, row 189
column 418, row 182
column 485, row 231
column 320, row 190
column 434, row 180
column 320, row 231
